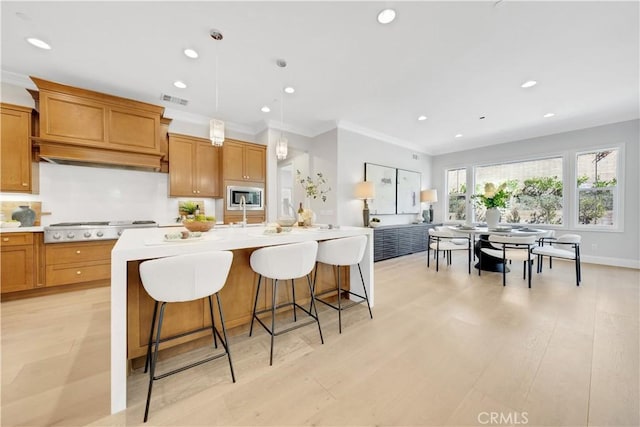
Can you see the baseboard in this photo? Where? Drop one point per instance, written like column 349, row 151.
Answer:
column 614, row 262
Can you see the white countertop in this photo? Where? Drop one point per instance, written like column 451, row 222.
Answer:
column 149, row 243
column 34, row 229
column 145, row 243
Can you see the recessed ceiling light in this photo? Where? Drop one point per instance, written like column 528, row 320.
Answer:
column 422, row 118
column 289, row 89
column 191, row 53
column 529, row 83
column 458, row 135
column 39, row 43
column 549, row 115
column 386, row 16
column 265, row 109
column 179, row 84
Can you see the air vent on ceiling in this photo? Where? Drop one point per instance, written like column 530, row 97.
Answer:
column 173, row 99
column 415, row 157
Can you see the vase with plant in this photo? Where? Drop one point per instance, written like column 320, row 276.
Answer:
column 493, row 199
column 317, row 188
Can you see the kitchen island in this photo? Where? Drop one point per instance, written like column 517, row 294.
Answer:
column 136, row 245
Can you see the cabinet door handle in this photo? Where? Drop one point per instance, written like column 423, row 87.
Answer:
column 194, row 191
column 24, row 184
column 77, row 252
column 198, row 191
column 78, row 272
column 5, row 239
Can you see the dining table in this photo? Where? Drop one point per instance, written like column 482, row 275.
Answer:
column 490, row 263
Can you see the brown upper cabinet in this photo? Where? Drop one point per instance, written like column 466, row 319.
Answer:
column 194, row 167
column 16, row 168
column 243, row 161
column 85, row 126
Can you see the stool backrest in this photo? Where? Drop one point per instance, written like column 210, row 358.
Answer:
column 186, row 277
column 344, row 251
column 285, row 261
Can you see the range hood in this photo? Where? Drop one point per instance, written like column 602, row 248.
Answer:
column 77, row 155
column 82, row 127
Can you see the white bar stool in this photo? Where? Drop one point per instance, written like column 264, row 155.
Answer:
column 342, row 252
column 285, row 262
column 179, row 279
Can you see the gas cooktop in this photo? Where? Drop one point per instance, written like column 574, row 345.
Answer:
column 90, row 230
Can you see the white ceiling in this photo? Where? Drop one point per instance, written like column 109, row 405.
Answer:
column 451, row 61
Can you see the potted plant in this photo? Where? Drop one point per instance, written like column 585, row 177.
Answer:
column 493, row 198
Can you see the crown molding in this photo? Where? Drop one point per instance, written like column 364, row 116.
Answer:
column 175, row 114
column 345, row 125
column 277, row 125
column 17, row 79
column 199, row 119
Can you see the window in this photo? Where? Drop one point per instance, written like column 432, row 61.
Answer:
column 535, row 190
column 457, row 195
column 597, row 188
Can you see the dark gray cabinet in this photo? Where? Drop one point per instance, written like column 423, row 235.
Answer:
column 390, row 241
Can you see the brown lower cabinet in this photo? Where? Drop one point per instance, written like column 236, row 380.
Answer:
column 237, row 298
column 17, row 260
column 31, row 268
column 69, row 263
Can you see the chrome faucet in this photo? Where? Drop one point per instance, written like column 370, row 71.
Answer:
column 243, row 205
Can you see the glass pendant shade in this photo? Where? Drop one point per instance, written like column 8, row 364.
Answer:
column 282, row 148
column 216, row 132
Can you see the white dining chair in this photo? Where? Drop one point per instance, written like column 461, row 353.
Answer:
column 447, row 241
column 566, row 246
column 516, row 248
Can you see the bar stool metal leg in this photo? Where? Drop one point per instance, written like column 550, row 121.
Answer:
column 225, row 342
column 153, row 325
column 293, row 292
column 315, row 309
column 364, row 288
column 255, row 304
column 274, row 284
column 154, row 361
column 213, row 324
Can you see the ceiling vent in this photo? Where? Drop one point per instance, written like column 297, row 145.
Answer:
column 174, row 99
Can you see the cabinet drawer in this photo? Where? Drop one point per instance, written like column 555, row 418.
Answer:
column 68, row 253
column 57, row 275
column 16, row 239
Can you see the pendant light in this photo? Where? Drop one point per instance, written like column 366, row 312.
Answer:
column 216, row 126
column 282, row 146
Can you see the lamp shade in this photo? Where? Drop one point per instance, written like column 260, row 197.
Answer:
column 429, row 196
column 365, row 190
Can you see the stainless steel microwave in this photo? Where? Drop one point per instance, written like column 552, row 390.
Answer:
column 253, row 198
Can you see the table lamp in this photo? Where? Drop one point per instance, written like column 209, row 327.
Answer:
column 365, row 191
column 428, row 196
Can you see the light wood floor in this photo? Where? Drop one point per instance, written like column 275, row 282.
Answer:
column 443, row 349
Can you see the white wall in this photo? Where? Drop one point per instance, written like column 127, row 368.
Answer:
column 354, row 150
column 79, row 193
column 324, row 159
column 611, row 247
